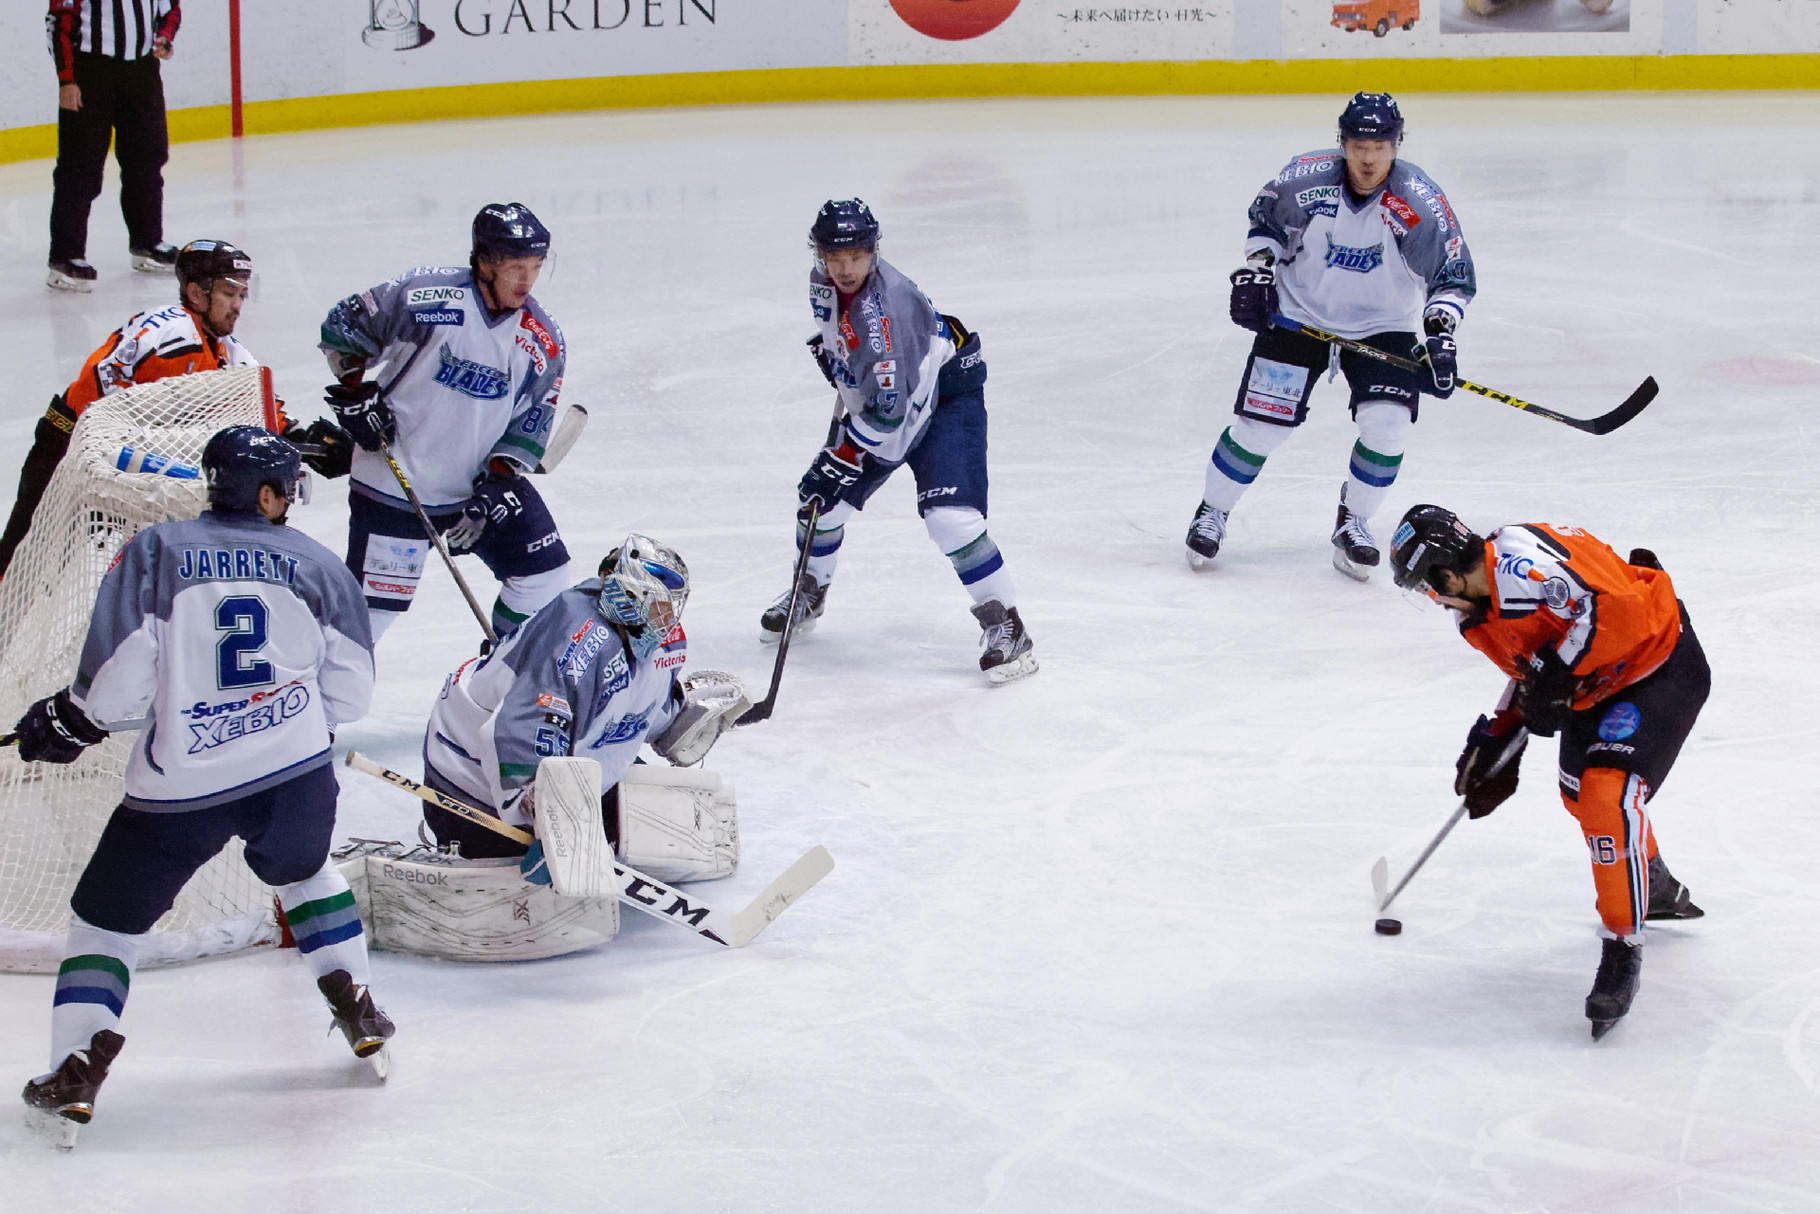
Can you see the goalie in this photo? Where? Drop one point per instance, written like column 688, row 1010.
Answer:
column 594, row 674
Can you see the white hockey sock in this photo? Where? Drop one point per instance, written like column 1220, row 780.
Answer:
column 960, row 532
column 830, row 532
column 92, row 986
column 1378, row 455
column 1238, row 458
column 520, row 598
column 326, row 924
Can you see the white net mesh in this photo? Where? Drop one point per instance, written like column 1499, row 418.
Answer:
column 50, row 815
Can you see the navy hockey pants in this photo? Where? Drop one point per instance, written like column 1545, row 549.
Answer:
column 387, row 548
column 949, row 459
column 1283, row 368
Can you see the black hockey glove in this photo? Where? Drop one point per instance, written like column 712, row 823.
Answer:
column 326, row 447
column 363, row 413
column 823, row 360
column 1643, row 558
column 1254, row 296
column 1438, row 353
column 833, row 473
column 1545, row 695
column 499, row 497
column 54, row 730
column 1478, row 777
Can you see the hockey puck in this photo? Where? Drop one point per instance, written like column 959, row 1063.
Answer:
column 1389, row 927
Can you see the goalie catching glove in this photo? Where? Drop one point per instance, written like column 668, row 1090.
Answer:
column 712, row 701
column 54, row 730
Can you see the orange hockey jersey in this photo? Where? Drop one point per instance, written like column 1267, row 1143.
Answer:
column 152, row 345
column 1610, row 622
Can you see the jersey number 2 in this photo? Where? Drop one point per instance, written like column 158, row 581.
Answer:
column 243, row 618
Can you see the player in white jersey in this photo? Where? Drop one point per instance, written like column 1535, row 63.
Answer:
column 467, row 371
column 1355, row 242
column 235, row 645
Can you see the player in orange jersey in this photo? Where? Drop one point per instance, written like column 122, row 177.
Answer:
column 1601, row 652
column 195, row 335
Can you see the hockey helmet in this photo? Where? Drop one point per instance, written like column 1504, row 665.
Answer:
column 203, row 261
column 1371, row 116
column 643, row 586
column 508, row 229
column 1430, row 539
column 239, row 459
column 844, row 224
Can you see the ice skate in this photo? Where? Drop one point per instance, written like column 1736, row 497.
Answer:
column 1615, row 986
column 1668, row 898
column 358, row 1017
column 160, row 258
column 809, row 607
column 1204, row 535
column 1355, row 552
column 71, row 275
column 1006, row 652
column 69, row 1091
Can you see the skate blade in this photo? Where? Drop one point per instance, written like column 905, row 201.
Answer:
column 1690, row 911
column 1601, row 1027
column 53, row 1129
column 1017, row 668
column 1351, row 568
column 381, row 1062
column 63, row 282
column 803, row 628
column 148, row 265
column 1198, row 562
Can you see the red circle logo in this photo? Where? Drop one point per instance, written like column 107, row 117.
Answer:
column 953, row 20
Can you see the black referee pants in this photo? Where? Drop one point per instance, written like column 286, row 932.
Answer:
column 122, row 99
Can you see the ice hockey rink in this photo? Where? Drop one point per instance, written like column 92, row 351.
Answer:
column 1099, row 940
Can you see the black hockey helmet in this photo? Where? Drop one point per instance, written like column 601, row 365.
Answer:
column 508, row 229
column 1371, row 116
column 239, row 459
column 844, row 224
column 203, row 261
column 1428, row 539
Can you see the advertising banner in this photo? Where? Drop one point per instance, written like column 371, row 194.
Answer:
column 1037, row 31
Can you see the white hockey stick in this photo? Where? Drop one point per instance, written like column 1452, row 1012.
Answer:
column 733, row 929
column 573, row 422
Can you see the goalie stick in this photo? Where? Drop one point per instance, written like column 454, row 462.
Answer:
column 731, row 929
column 1605, row 423
column 1380, row 871
column 761, row 711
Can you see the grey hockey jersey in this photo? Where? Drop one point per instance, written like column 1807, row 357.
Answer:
column 566, row 684
column 1358, row 268
column 886, row 348
column 235, row 645
column 463, row 386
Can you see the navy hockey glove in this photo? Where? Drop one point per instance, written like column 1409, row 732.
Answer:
column 1438, row 352
column 363, row 413
column 836, row 470
column 1477, row 775
column 823, row 360
column 1545, row 695
column 1254, row 296
column 499, row 498
column 326, row 447
column 532, row 867
column 54, row 730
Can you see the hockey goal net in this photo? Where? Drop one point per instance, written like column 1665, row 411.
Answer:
column 50, row 815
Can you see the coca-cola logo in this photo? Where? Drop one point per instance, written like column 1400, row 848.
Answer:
column 953, row 20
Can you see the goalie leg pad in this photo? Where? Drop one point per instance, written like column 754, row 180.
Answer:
column 677, row 825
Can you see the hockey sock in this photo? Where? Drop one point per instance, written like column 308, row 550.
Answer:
column 1616, row 827
column 830, row 532
column 505, row 621
column 91, row 986
column 1377, row 456
column 1238, row 458
column 326, row 924
column 960, row 532
column 522, row 596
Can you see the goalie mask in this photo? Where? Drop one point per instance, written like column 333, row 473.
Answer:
column 643, row 586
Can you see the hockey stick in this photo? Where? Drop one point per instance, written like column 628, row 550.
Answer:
column 734, row 929
column 569, row 429
column 436, row 539
column 761, row 711
column 1380, row 871
column 1633, row 404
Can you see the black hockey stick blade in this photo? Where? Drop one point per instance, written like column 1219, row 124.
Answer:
column 1634, row 404
column 761, row 711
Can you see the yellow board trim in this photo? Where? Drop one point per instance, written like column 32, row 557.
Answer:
column 1564, row 73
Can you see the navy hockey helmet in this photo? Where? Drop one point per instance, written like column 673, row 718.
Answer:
column 508, row 229
column 1371, row 116
column 643, row 586
column 203, row 261
column 844, row 224
column 239, row 459
column 1430, row 539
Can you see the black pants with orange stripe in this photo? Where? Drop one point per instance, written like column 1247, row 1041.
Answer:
column 1614, row 757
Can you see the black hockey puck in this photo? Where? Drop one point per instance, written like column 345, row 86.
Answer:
column 1389, row 927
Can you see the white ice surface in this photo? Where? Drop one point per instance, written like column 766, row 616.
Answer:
column 1101, row 939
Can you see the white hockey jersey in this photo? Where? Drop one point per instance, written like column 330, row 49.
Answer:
column 236, row 645
column 463, row 386
column 887, row 350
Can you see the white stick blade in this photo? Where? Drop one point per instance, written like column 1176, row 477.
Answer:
column 574, row 838
column 790, row 885
column 1380, row 880
column 573, row 422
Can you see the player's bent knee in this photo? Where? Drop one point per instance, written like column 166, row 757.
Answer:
column 1384, row 425
column 1259, row 438
column 677, row 824
column 954, row 527
column 527, row 592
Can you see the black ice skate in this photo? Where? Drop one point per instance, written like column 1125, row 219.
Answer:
column 160, row 258
column 809, row 607
column 1005, row 648
column 1204, row 535
column 69, row 1091
column 1355, row 553
column 72, row 275
column 1668, row 898
column 358, row 1017
column 1620, row 964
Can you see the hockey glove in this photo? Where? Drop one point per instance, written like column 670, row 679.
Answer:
column 1438, row 352
column 54, row 730
column 823, row 360
column 363, row 413
column 1254, row 296
column 532, row 867
column 710, row 701
column 836, row 470
column 326, row 447
column 1545, row 695
column 498, row 499
column 1479, row 776
column 1643, row 558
